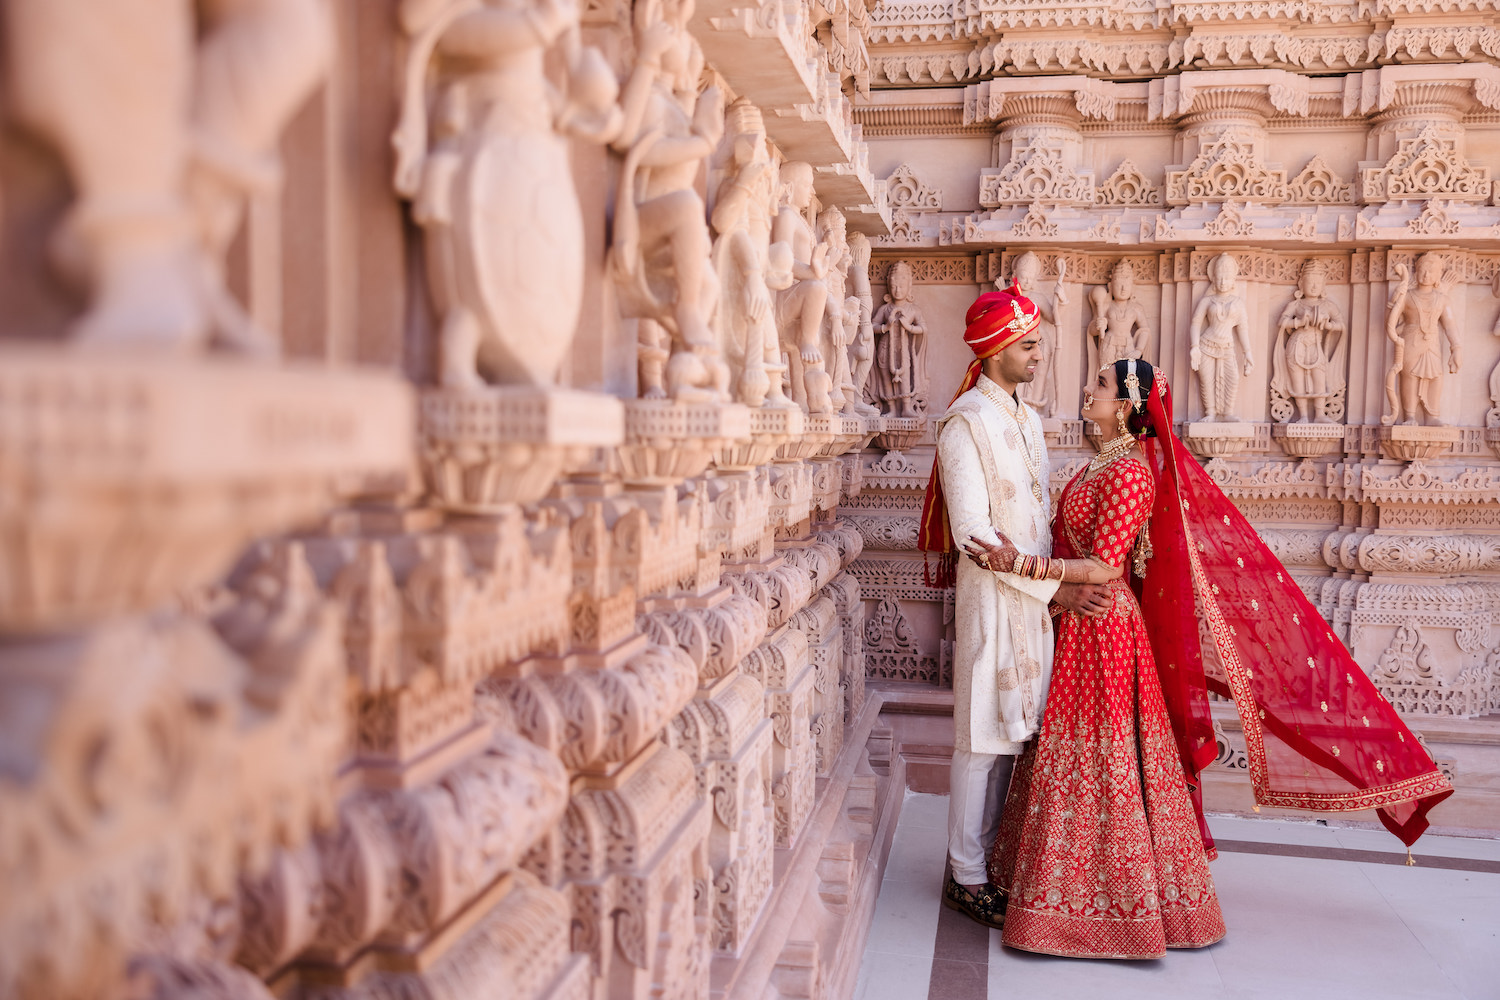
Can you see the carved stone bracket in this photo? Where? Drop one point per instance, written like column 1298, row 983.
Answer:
column 1309, row 440
column 1217, row 439
column 1409, row 444
column 770, row 430
column 483, row 449
column 667, row 442
column 133, row 479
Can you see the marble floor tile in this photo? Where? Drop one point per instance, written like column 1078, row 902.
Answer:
column 1320, row 927
column 1315, row 927
column 1456, row 917
column 930, row 812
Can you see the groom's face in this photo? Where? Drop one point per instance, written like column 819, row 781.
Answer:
column 1018, row 362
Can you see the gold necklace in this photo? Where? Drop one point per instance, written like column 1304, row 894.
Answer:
column 1111, row 450
column 1031, row 455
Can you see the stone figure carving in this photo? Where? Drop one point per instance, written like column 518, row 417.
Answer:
column 1418, row 320
column 801, row 305
column 862, row 346
column 838, row 333
column 900, row 379
column 165, row 122
column 1308, row 363
column 661, row 259
column 1219, row 323
column 1041, row 392
column 1119, row 328
column 482, row 152
column 744, row 208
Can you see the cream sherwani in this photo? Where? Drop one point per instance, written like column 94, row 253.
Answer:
column 1002, row 657
column 993, row 460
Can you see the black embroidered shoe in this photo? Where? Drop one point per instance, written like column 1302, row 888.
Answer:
column 987, row 906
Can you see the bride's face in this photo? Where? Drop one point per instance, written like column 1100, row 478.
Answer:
column 1099, row 402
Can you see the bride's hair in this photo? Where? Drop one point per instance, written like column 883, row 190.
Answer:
column 1139, row 420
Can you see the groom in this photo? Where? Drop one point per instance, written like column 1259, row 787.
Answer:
column 991, row 473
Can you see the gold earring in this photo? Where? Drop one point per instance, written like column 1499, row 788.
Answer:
column 1123, row 422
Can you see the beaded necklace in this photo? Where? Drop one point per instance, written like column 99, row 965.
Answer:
column 1031, row 455
column 1112, row 450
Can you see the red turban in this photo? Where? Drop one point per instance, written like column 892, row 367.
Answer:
column 998, row 319
column 994, row 322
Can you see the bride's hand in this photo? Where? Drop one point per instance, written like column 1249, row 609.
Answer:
column 996, row 558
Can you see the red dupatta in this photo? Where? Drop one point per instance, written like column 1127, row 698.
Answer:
column 1224, row 615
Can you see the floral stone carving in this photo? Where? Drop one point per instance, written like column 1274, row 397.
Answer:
column 1127, row 187
column 1227, row 168
column 1037, row 173
column 1426, row 166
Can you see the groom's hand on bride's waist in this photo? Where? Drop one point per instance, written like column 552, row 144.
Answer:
column 1086, row 599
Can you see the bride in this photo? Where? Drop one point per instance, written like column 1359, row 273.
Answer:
column 1103, row 851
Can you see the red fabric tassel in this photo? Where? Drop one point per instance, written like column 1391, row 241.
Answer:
column 946, row 574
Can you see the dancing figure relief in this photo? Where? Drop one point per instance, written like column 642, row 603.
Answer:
column 1418, row 321
column 482, row 153
column 661, row 257
column 900, row 375
column 1220, row 324
column 1307, row 381
column 1041, row 392
column 1119, row 330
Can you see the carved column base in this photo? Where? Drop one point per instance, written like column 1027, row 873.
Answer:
column 1407, row 443
column 484, row 449
column 1217, row 439
column 782, row 666
column 827, row 480
column 736, row 516
column 642, row 832
column 132, row 480
column 791, row 493
column 726, row 733
column 850, row 433
column 770, row 428
column 1309, row 440
column 667, row 441
column 901, row 433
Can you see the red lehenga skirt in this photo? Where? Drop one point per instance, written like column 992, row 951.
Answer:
column 1099, row 847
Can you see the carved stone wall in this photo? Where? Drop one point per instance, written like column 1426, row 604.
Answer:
column 490, row 628
column 460, row 460
column 1285, row 211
